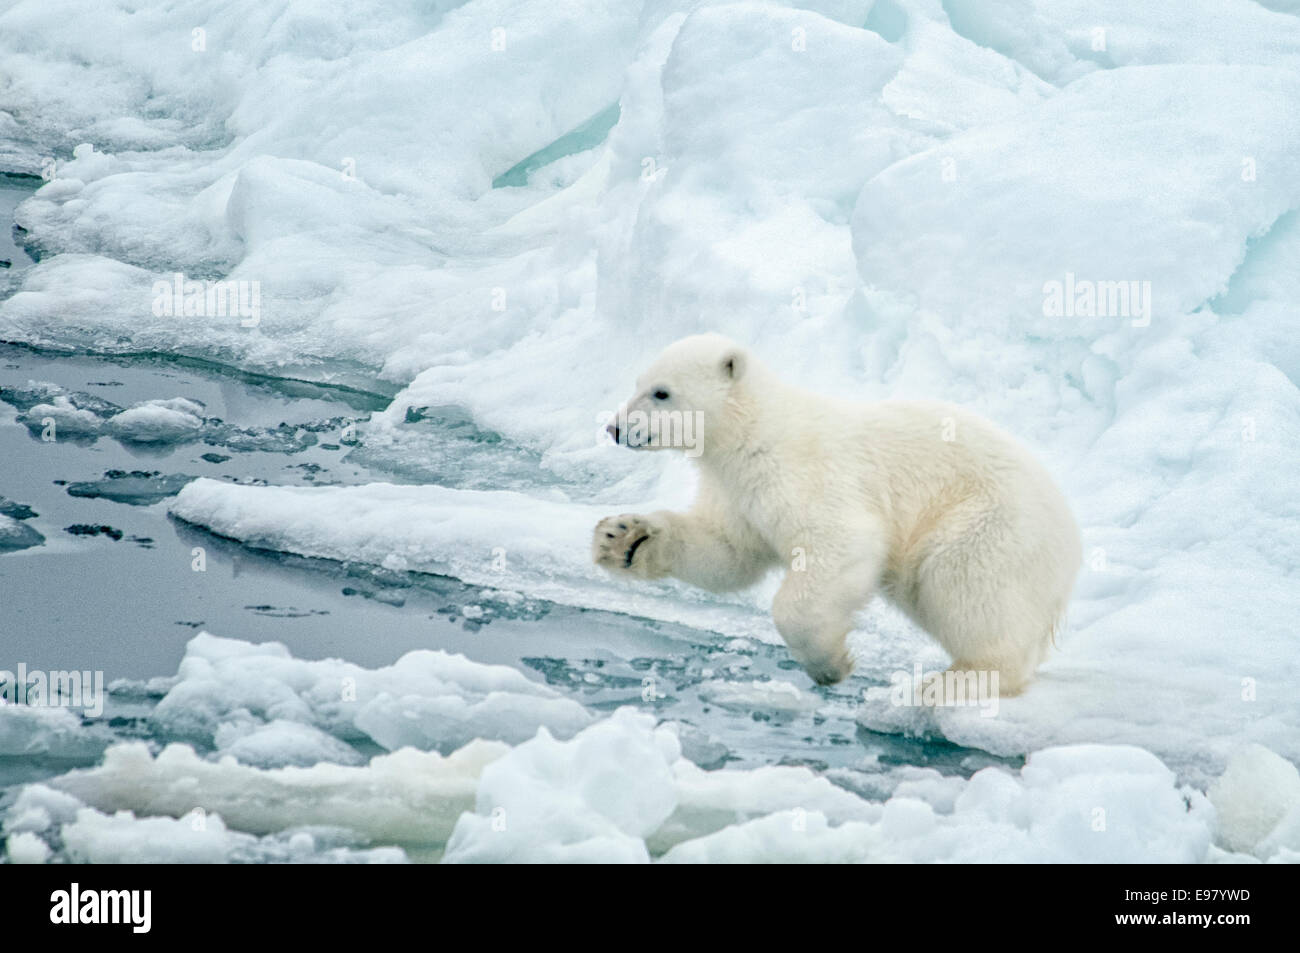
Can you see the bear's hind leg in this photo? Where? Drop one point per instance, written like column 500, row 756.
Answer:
column 984, row 621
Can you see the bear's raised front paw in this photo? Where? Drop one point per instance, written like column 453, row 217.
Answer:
column 618, row 540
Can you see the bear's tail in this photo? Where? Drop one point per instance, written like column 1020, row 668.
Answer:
column 1057, row 627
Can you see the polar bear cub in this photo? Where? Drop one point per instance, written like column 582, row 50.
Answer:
column 934, row 507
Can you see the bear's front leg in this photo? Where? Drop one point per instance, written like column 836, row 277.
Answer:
column 815, row 605
column 630, row 544
column 712, row 549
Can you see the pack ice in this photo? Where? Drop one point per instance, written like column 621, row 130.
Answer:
column 497, row 210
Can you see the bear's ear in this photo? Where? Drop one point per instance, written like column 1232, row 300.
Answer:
column 733, row 364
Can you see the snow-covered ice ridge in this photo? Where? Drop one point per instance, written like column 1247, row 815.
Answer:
column 878, row 194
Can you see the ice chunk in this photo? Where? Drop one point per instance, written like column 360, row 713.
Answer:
column 46, row 734
column 538, row 547
column 784, row 837
column 428, row 722
column 39, row 809
column 282, row 743
column 16, row 510
column 137, row 487
column 123, row 838
column 158, row 421
column 26, row 848
column 430, row 699
column 92, row 529
column 73, row 414
column 16, row 535
column 775, row 695
column 592, row 799
column 1257, row 794
column 62, row 418
column 1101, row 804
column 710, row 801
column 35, row 393
column 407, row 797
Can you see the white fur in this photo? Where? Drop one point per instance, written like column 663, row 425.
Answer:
column 934, row 507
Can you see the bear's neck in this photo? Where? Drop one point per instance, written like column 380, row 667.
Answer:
column 746, row 439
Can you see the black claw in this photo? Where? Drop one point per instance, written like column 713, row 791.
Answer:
column 631, row 551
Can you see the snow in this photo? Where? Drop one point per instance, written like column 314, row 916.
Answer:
column 875, row 196
column 1059, row 39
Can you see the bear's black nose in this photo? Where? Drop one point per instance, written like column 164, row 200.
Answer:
column 612, row 430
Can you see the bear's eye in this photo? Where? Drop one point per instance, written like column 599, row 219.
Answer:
column 661, row 395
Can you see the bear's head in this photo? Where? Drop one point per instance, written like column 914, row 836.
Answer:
column 690, row 387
